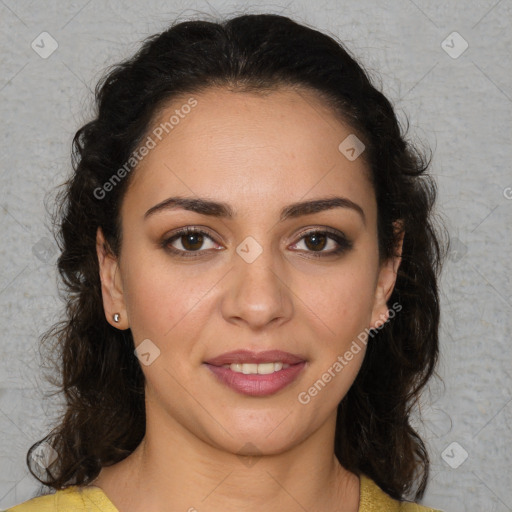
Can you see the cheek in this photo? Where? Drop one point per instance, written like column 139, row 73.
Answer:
column 155, row 300
column 165, row 301
column 345, row 308
column 343, row 299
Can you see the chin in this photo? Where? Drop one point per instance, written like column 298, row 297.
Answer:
column 261, row 439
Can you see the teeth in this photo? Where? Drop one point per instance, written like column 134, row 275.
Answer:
column 256, row 369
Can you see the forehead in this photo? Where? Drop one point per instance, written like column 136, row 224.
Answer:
column 242, row 148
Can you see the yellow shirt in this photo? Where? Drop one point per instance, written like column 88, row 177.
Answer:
column 92, row 499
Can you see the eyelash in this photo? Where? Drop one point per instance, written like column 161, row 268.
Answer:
column 343, row 243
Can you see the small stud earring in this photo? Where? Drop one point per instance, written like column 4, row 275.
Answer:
column 116, row 317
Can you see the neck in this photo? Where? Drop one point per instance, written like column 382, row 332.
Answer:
column 172, row 466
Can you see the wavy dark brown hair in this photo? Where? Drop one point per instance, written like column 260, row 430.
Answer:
column 100, row 377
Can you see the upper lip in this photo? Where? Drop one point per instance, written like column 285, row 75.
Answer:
column 247, row 356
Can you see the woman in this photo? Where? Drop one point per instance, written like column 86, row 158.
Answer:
column 252, row 269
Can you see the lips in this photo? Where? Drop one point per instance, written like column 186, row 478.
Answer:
column 257, row 385
column 247, row 356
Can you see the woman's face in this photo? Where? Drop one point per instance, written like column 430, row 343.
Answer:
column 266, row 277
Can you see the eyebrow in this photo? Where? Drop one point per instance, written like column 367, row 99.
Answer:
column 224, row 210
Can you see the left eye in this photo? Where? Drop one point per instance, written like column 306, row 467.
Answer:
column 316, row 241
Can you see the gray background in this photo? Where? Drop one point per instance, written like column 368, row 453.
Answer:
column 460, row 107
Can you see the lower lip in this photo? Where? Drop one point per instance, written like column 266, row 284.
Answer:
column 257, row 385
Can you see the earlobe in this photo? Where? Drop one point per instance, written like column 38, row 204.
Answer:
column 386, row 282
column 111, row 285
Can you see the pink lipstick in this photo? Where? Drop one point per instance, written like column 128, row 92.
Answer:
column 256, row 373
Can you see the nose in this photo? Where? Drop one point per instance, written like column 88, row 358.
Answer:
column 257, row 293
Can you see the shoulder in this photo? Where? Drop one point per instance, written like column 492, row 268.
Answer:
column 90, row 499
column 373, row 499
column 41, row 503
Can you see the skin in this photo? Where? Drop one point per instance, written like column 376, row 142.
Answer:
column 258, row 154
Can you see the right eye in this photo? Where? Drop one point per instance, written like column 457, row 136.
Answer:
column 191, row 241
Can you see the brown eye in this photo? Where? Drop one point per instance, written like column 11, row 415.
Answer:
column 192, row 241
column 316, row 241
column 188, row 241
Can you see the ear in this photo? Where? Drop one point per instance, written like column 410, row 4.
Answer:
column 111, row 285
column 386, row 281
